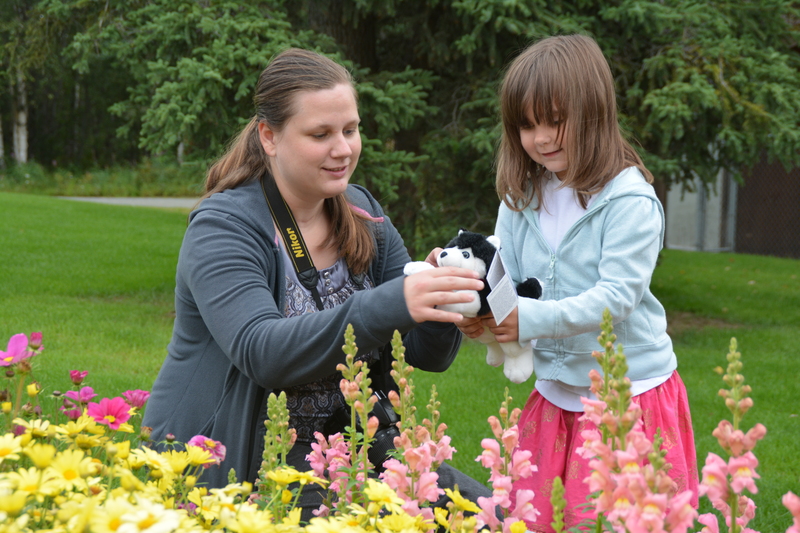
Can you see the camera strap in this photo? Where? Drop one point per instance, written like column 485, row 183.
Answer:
column 307, row 273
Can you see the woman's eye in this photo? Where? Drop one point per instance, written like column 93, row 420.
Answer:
column 319, row 135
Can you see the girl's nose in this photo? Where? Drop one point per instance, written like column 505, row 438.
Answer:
column 543, row 137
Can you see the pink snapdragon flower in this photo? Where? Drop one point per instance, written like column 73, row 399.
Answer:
column 743, row 473
column 136, row 398
column 77, row 376
column 737, row 442
column 214, row 447
column 792, row 502
column 111, row 412
column 715, row 478
column 16, row 351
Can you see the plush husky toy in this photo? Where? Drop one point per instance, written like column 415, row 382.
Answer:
column 476, row 252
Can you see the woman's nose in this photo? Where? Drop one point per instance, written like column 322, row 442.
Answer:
column 341, row 147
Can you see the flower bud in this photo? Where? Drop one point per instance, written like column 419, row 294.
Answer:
column 145, row 433
column 170, row 438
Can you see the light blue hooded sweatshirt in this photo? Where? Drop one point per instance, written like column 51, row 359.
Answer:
column 605, row 260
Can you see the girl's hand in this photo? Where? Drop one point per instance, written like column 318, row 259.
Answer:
column 425, row 290
column 471, row 327
column 507, row 330
column 433, row 256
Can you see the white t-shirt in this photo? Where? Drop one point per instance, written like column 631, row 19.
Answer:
column 562, row 209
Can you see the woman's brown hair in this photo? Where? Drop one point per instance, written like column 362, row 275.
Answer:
column 289, row 73
column 567, row 82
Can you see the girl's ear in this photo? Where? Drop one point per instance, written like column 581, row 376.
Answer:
column 267, row 138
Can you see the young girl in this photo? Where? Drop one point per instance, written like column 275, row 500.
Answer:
column 579, row 214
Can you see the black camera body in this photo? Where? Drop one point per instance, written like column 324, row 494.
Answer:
column 383, row 441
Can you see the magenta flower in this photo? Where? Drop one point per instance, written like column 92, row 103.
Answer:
column 136, row 398
column 16, row 351
column 215, row 448
column 72, row 411
column 36, row 340
column 111, row 412
column 82, row 396
column 77, row 376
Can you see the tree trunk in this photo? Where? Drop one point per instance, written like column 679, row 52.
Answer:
column 2, row 147
column 20, row 120
column 355, row 32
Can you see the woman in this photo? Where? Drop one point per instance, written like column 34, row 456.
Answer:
column 245, row 325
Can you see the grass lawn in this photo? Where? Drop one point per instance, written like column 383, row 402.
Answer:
column 98, row 282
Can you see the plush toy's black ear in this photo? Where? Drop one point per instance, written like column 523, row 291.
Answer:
column 530, row 288
column 481, row 248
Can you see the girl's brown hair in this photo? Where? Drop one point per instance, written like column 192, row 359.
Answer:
column 288, row 74
column 567, row 82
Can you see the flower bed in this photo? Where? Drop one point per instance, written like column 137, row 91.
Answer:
column 89, row 466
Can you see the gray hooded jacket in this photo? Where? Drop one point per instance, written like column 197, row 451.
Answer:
column 232, row 345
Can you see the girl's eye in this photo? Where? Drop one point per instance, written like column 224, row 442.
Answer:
column 351, row 132
column 319, row 135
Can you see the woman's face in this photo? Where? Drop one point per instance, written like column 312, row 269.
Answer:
column 314, row 155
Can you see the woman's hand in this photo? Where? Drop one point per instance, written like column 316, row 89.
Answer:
column 507, row 330
column 425, row 290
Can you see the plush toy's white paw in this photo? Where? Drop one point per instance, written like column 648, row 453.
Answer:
column 494, row 354
column 518, row 366
column 416, row 266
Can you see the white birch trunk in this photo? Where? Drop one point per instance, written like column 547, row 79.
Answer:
column 2, row 147
column 20, row 121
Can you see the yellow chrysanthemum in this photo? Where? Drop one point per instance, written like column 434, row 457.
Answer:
column 70, row 468
column 251, row 520
column 86, row 441
column 41, row 454
column 37, row 429
column 178, row 461
column 383, row 494
column 34, row 482
column 6, row 407
column 518, row 527
column 108, row 518
column 442, row 516
column 461, row 502
column 10, row 447
column 338, row 524
column 149, row 517
column 13, row 503
column 308, row 477
column 400, row 523
column 199, row 456
column 284, row 476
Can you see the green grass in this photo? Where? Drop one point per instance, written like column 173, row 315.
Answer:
column 98, row 281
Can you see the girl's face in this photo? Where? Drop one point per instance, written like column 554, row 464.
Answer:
column 314, row 155
column 542, row 144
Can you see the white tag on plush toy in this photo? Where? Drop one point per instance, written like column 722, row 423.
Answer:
column 503, row 298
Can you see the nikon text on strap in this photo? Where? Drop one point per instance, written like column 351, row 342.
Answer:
column 307, row 274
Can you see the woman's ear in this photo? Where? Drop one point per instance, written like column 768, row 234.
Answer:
column 267, row 138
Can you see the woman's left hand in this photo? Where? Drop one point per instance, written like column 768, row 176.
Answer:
column 507, row 330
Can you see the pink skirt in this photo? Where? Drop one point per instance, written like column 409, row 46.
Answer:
column 553, row 436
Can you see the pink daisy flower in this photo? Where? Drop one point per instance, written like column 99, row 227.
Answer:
column 215, row 448
column 111, row 412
